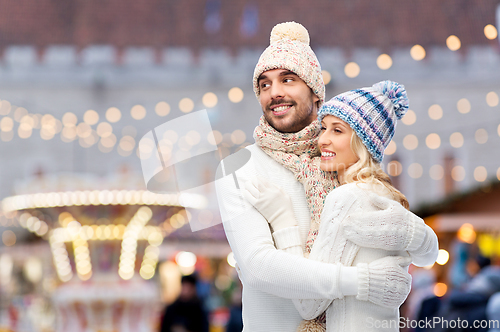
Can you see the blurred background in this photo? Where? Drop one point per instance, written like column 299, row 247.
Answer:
column 85, row 247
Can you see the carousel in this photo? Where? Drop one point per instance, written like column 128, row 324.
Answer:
column 104, row 236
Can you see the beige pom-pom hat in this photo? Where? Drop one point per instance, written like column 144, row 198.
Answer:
column 289, row 49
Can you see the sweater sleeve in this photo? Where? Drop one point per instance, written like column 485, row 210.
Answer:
column 427, row 252
column 337, row 207
column 261, row 265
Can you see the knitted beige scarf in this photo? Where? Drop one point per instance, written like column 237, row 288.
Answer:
column 300, row 154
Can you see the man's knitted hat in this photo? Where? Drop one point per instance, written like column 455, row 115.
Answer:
column 371, row 112
column 289, row 49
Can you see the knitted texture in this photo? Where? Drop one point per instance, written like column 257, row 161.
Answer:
column 371, row 112
column 386, row 282
column 297, row 151
column 402, row 231
column 289, row 49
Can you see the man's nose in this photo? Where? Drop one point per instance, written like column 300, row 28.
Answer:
column 277, row 91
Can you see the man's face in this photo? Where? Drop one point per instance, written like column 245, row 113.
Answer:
column 289, row 105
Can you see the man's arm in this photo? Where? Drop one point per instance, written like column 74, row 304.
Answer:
column 261, row 265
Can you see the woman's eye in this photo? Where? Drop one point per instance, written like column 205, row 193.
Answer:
column 338, row 131
column 323, row 128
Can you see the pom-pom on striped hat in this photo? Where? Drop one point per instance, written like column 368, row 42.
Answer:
column 289, row 49
column 371, row 112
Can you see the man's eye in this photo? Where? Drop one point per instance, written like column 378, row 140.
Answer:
column 264, row 85
column 288, row 79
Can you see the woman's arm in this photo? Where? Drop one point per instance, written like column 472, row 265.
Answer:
column 392, row 227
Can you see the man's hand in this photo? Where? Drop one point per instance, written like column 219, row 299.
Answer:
column 390, row 227
column 385, row 282
column 271, row 201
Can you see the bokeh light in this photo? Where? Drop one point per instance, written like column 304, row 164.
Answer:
column 327, row 77
column 352, row 69
column 186, row 105
column 409, row 118
column 490, row 31
column 384, row 61
column 113, row 114
column 235, row 95
column 453, row 43
column 417, row 52
column 435, row 112
column 463, row 106
column 209, row 99
column 410, row 142
column 391, row 148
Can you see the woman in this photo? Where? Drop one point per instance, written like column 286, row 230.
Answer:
column 356, row 128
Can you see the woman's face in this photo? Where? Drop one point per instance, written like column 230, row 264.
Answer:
column 335, row 145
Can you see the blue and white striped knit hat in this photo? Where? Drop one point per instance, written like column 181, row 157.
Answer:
column 371, row 112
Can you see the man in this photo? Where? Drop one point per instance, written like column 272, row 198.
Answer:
column 290, row 89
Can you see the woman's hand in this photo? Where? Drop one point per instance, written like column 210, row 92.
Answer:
column 271, row 201
column 389, row 227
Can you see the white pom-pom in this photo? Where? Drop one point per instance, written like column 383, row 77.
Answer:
column 290, row 30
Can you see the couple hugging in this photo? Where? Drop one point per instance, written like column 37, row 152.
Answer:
column 325, row 241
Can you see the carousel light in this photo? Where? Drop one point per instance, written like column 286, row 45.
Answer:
column 155, row 238
column 44, row 228
column 9, row 238
column 6, row 265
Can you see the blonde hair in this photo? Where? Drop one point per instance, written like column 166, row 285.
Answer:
column 367, row 170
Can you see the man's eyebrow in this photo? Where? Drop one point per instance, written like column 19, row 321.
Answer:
column 261, row 77
column 287, row 72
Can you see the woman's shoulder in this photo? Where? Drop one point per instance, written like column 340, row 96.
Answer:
column 358, row 191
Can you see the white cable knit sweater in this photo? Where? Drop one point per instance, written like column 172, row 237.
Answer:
column 271, row 277
column 331, row 246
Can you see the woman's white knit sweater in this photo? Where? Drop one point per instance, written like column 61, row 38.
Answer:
column 271, row 277
column 331, row 246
